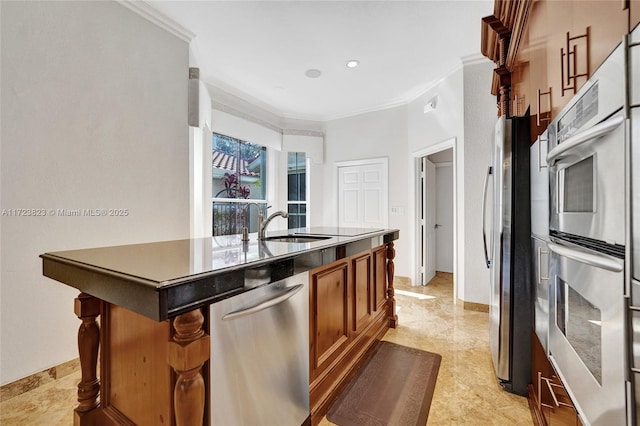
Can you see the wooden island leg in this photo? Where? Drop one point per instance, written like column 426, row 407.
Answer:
column 393, row 317
column 188, row 351
column 87, row 308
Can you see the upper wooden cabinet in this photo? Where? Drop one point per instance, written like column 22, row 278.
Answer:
column 634, row 13
column 567, row 43
column 558, row 47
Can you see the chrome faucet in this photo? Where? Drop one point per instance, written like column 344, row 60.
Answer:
column 262, row 223
column 245, row 213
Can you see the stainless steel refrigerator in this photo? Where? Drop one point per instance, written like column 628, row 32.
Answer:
column 507, row 245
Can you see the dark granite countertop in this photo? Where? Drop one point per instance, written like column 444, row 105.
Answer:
column 164, row 279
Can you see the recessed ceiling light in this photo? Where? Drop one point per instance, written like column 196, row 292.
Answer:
column 313, row 73
column 353, row 63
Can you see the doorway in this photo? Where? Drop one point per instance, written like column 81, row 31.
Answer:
column 435, row 212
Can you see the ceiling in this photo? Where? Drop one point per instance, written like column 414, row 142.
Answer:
column 259, row 51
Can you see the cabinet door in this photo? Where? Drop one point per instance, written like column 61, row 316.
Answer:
column 379, row 278
column 634, row 14
column 361, row 292
column 136, row 378
column 593, row 32
column 557, row 23
column 328, row 311
column 539, row 92
column 559, row 409
column 521, row 78
column 607, row 23
column 551, row 400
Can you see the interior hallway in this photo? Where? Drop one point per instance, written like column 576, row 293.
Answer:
column 466, row 390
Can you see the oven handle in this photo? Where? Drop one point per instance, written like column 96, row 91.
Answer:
column 484, row 216
column 266, row 304
column 588, row 257
column 582, row 137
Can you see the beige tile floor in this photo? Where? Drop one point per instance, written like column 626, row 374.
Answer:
column 466, row 391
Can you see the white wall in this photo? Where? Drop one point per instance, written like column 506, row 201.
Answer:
column 94, row 115
column 429, row 130
column 479, row 119
column 372, row 135
column 465, row 111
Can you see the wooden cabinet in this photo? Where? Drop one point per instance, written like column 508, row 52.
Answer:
column 561, row 46
column 153, row 342
column 361, row 286
column 532, row 79
column 328, row 293
column 349, row 312
column 137, row 379
column 379, row 293
column 634, row 13
column 548, row 399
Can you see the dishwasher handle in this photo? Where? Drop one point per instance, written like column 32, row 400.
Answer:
column 265, row 304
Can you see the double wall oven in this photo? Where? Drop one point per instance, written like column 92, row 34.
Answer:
column 588, row 177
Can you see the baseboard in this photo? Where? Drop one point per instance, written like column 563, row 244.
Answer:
column 33, row 381
column 401, row 280
column 471, row 306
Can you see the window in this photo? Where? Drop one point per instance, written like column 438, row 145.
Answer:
column 239, row 178
column 297, row 189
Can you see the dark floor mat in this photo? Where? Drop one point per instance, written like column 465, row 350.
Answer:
column 394, row 387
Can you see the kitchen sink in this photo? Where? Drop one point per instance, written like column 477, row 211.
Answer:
column 297, row 238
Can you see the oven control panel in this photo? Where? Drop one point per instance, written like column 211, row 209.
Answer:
column 580, row 113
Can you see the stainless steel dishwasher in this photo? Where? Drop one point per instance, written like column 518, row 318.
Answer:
column 260, row 356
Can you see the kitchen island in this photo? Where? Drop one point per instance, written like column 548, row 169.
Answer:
column 141, row 308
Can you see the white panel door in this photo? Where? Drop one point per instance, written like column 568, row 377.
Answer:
column 349, row 196
column 373, row 187
column 362, row 194
column 429, row 209
column 444, row 218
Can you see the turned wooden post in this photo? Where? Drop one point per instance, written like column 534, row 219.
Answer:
column 87, row 308
column 188, row 351
column 391, row 254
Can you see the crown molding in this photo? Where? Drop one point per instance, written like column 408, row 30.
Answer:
column 153, row 15
column 376, row 108
column 297, row 132
column 433, row 84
